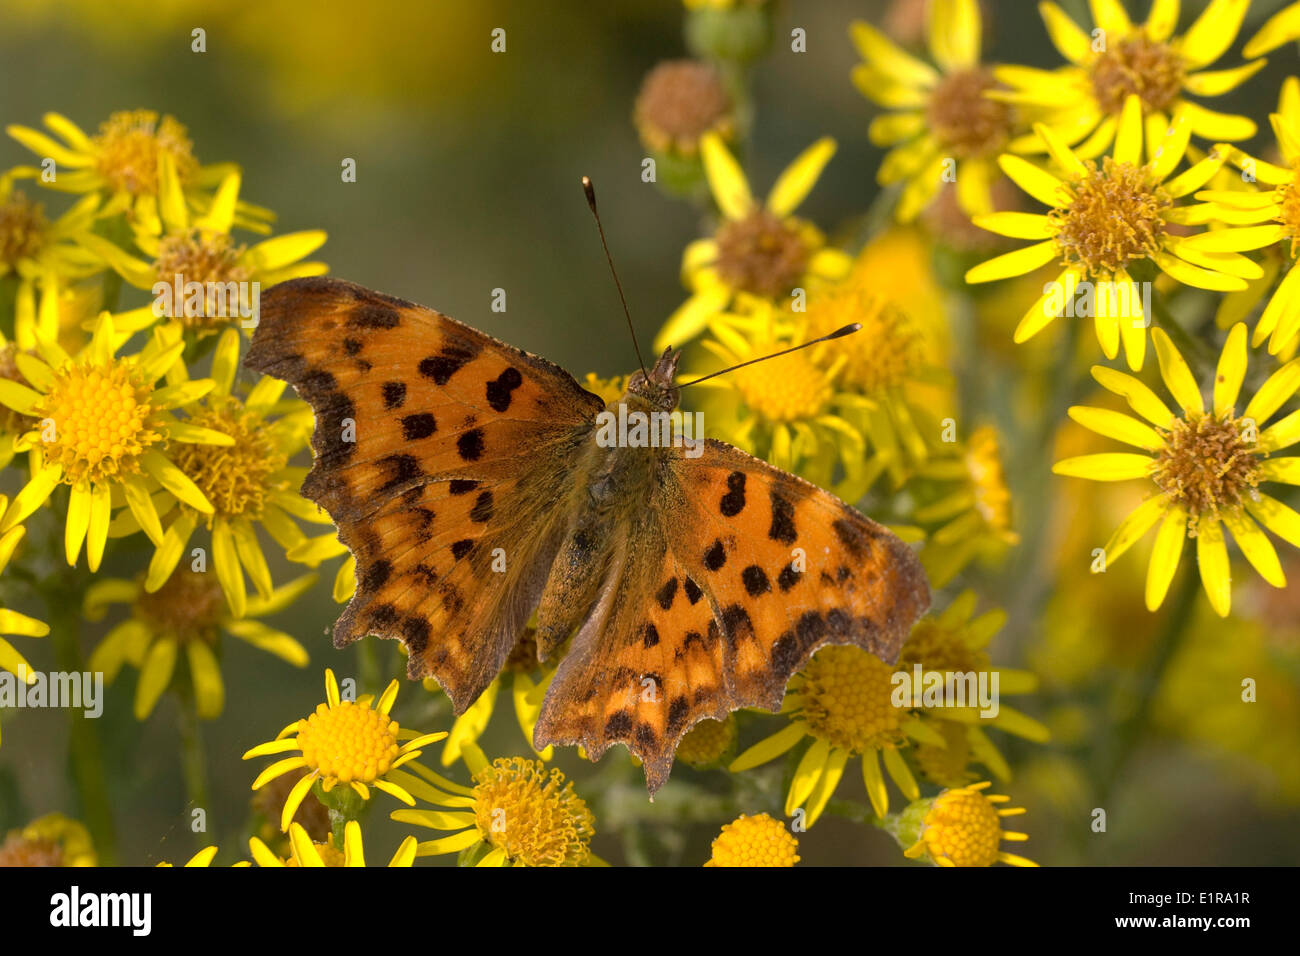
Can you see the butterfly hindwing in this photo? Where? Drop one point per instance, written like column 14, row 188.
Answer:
column 729, row 580
column 440, row 455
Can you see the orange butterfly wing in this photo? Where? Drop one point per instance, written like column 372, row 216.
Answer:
column 726, row 584
column 445, row 496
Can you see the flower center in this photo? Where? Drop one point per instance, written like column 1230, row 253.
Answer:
column 1138, row 65
column 348, row 742
column 966, row 121
column 534, row 816
column 17, row 850
column 237, row 479
column 707, row 742
column 188, row 606
column 679, row 102
column 963, row 826
column 1114, row 217
column 800, row 390
column 846, row 699
column 946, row 766
column 128, row 145
column 1207, row 466
column 22, row 229
column 984, row 462
column 755, row 841
column 98, row 416
column 761, row 254
column 208, row 258
column 939, row 648
column 886, row 353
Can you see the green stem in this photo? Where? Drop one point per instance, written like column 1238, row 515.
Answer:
column 62, row 597
column 194, row 765
column 1130, row 733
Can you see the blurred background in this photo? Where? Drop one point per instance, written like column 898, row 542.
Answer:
column 467, row 179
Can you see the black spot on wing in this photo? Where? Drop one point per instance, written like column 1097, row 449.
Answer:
column 733, row 502
column 470, row 445
column 499, row 389
column 394, row 395
column 420, row 425
column 450, row 360
column 782, row 528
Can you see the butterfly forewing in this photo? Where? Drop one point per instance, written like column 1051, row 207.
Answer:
column 441, row 454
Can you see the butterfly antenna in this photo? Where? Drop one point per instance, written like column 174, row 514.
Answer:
column 591, row 201
column 838, row 333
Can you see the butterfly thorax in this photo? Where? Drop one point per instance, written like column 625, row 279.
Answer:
column 613, row 482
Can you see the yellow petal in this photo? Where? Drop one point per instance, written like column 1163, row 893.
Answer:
column 155, row 675
column 1178, row 377
column 1256, row 546
column 1282, row 27
column 1014, row 263
column 1111, row 17
column 1165, row 555
column 1067, row 36
column 1128, row 137
column 794, row 184
column 1039, row 183
column 1231, row 371
column 1276, row 517
column 890, row 59
column 726, row 179
column 1277, row 389
column 1212, row 556
column 1133, row 527
column 1016, row 225
column 209, row 690
column 175, row 481
column 1110, row 466
column 1117, row 425
column 1209, row 37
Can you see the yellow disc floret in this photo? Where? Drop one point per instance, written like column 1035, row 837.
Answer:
column 754, row 841
column 95, row 421
column 128, row 145
column 845, row 697
column 962, row 828
column 532, row 814
column 238, row 479
column 348, row 742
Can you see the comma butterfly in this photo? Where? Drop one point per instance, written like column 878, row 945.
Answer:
column 694, row 582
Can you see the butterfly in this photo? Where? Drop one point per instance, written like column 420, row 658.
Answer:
column 466, row 477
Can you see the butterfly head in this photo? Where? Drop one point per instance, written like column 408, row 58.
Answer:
column 656, row 387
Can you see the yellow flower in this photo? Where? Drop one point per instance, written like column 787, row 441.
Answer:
column 754, row 841
column 680, row 101
column 708, row 743
column 123, row 161
column 975, row 514
column 517, row 814
column 42, row 254
column 843, row 700
column 760, row 248
column 786, row 410
column 184, row 248
column 344, row 741
column 891, row 389
column 1282, row 27
column 51, row 840
column 1105, row 219
column 248, row 482
column 963, row 827
column 1122, row 59
column 955, row 642
column 306, row 852
column 941, row 116
column 185, row 616
column 1261, row 219
column 1205, row 465
column 103, row 427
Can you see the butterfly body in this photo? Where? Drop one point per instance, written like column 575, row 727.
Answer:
column 479, row 490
